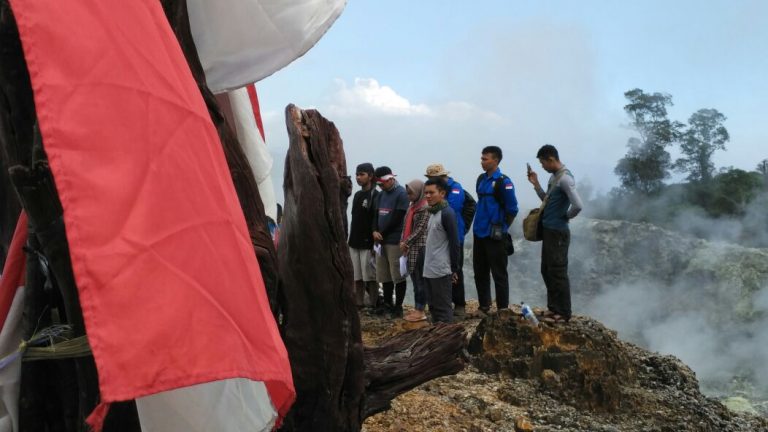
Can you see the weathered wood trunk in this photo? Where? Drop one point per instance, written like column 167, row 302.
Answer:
column 320, row 325
column 17, row 110
column 408, row 360
column 338, row 384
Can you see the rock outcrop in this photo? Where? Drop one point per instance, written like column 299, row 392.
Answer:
column 577, row 376
column 583, row 363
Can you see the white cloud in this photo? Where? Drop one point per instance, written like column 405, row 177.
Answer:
column 367, row 97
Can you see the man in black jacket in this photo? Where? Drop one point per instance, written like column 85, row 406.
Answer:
column 361, row 236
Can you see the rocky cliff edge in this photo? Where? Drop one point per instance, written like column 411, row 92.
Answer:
column 556, row 377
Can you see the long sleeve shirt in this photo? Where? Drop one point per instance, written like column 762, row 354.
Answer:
column 391, row 207
column 564, row 202
column 441, row 254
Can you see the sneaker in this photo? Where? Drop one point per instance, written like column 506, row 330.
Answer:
column 459, row 311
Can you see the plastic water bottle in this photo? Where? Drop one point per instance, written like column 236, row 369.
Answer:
column 529, row 315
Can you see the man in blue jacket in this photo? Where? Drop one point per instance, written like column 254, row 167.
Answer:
column 463, row 204
column 496, row 209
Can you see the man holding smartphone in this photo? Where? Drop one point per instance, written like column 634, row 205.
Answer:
column 562, row 204
column 496, row 209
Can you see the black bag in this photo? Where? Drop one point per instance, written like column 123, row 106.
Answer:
column 468, row 210
column 509, row 247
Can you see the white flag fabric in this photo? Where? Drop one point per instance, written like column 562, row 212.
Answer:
column 242, row 41
column 231, row 405
column 10, row 375
column 244, row 111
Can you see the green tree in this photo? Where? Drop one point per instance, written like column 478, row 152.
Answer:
column 731, row 191
column 705, row 135
column 647, row 163
column 762, row 168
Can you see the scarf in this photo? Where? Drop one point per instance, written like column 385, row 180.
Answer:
column 439, row 206
column 418, row 187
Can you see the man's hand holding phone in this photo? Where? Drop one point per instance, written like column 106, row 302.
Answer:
column 532, row 176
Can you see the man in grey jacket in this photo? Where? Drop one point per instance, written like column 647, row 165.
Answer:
column 562, row 204
column 441, row 254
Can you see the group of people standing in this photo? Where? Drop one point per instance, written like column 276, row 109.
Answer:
column 419, row 231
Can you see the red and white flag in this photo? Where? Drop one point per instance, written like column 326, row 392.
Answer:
column 241, row 107
column 169, row 285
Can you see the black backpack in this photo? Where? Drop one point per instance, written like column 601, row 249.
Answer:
column 468, row 210
column 498, row 192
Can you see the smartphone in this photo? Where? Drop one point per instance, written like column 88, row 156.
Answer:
column 529, row 167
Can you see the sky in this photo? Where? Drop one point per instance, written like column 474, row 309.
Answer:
column 410, row 83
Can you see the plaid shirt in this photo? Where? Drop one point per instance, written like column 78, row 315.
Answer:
column 418, row 238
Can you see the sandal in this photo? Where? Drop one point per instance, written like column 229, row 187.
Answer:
column 555, row 319
column 416, row 316
column 548, row 313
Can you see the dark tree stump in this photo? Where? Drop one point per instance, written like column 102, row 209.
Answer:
column 320, row 325
column 17, row 112
column 337, row 384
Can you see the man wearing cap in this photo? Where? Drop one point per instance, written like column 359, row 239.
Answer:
column 496, row 209
column 392, row 204
column 463, row 205
column 361, row 236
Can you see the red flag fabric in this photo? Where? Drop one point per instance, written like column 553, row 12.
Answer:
column 170, row 288
column 13, row 271
column 254, row 97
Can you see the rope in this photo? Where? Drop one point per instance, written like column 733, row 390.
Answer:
column 72, row 348
column 51, row 343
